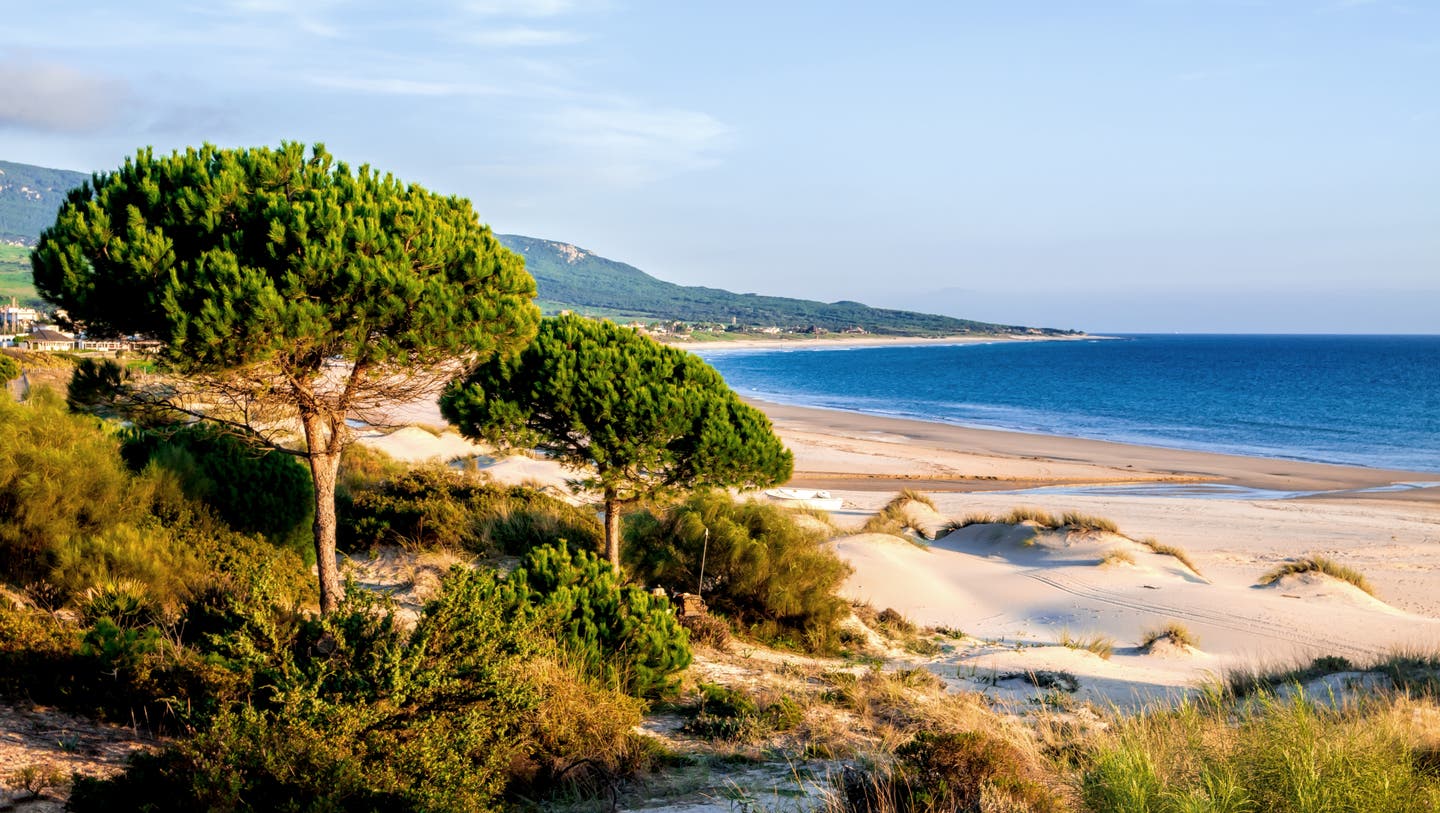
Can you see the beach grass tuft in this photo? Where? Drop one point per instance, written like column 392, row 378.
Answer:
column 1172, row 631
column 892, row 518
column 1161, row 548
column 1318, row 564
column 1117, row 556
column 1024, row 513
column 1088, row 523
column 1102, row 645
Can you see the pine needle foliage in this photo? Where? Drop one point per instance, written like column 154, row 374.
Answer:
column 640, row 418
column 286, row 288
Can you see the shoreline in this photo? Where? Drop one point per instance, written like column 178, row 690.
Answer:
column 847, row 342
column 853, row 450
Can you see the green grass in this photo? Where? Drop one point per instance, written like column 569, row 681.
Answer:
column 1318, row 564
column 892, row 519
column 1296, row 754
column 1173, row 631
column 1411, row 672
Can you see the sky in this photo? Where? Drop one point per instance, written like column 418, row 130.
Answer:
column 1142, row 166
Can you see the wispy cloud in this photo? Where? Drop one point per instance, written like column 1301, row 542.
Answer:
column 521, row 8
column 632, row 145
column 522, row 37
column 57, row 98
column 392, row 86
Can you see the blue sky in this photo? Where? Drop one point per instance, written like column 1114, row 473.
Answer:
column 1154, row 165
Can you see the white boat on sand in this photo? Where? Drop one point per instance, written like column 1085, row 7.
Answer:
column 805, row 498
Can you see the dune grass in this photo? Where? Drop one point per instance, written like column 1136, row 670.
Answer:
column 1293, row 754
column 1412, row 672
column 1117, row 556
column 1318, row 564
column 892, row 519
column 1173, row 631
column 1084, row 523
column 1163, row 549
column 1102, row 645
column 1024, row 513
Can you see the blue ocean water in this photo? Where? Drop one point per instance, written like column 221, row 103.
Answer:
column 1362, row 400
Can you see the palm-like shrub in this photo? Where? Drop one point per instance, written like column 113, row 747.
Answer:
column 763, row 570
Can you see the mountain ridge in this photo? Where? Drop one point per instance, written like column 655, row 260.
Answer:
column 567, row 277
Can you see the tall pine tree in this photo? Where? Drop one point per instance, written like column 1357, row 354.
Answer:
column 288, row 290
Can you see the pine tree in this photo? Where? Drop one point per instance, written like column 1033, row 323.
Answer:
column 287, row 290
column 642, row 417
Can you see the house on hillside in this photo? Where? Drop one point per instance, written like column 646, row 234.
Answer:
column 49, row 339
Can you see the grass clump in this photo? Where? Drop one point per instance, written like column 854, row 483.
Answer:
column 1101, row 645
column 1318, row 564
column 1088, row 523
column 1163, row 549
column 1117, row 556
column 1173, row 632
column 1022, row 514
column 768, row 574
column 894, row 517
column 721, row 713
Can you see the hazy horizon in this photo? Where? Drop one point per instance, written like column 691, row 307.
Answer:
column 1146, row 166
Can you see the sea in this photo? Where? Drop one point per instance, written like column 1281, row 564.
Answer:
column 1358, row 400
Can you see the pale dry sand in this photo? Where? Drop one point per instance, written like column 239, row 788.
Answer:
column 1015, row 600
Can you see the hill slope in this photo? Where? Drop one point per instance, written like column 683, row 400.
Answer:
column 575, row 279
column 568, row 278
column 29, row 198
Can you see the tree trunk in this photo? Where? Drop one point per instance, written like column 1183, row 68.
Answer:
column 324, row 470
column 612, row 528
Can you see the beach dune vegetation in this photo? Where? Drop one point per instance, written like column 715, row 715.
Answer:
column 1318, row 564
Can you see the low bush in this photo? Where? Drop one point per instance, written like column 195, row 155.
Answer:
column 252, row 488
column 438, row 508
column 620, row 633
column 1318, row 564
column 950, row 771
column 768, row 574
column 721, row 713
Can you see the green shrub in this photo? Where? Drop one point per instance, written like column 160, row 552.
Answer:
column 763, row 571
column 439, row 508
column 721, row 713
column 253, row 489
column 625, row 635
column 9, row 369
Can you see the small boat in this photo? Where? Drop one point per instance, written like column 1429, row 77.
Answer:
column 805, row 498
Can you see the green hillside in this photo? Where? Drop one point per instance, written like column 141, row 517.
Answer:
column 29, row 198
column 568, row 278
column 573, row 278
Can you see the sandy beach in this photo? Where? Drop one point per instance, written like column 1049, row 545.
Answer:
column 1017, row 591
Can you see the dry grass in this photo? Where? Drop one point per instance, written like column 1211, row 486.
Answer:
column 1117, row 556
column 1088, row 523
column 1024, row 513
column 1172, row 631
column 893, row 518
column 1101, row 645
column 1319, row 564
column 1158, row 547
